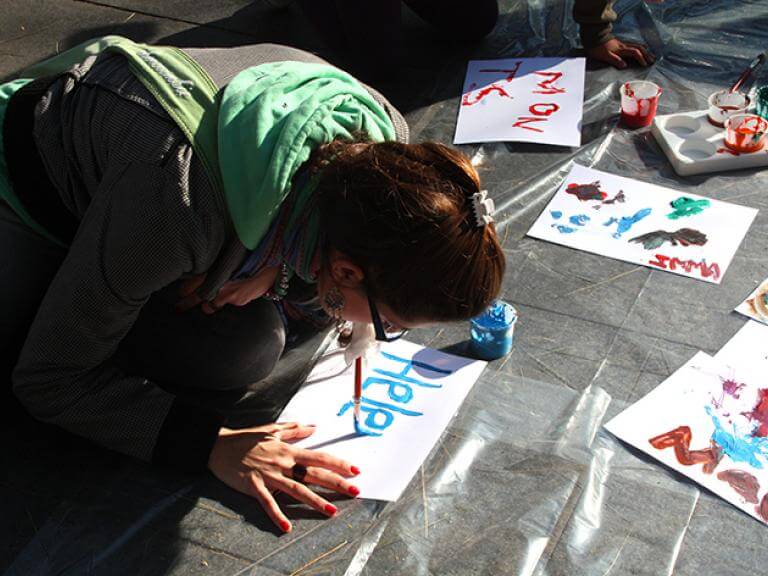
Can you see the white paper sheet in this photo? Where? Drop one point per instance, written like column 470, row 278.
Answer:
column 522, row 100
column 714, row 401
column 748, row 348
column 410, row 394
column 756, row 304
column 626, row 219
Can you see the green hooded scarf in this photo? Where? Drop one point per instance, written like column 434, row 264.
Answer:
column 271, row 117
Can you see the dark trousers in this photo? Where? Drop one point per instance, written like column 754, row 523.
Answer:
column 209, row 359
column 370, row 31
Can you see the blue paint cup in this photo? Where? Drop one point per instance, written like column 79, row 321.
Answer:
column 492, row 332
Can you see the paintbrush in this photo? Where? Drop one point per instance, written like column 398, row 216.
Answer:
column 754, row 65
column 358, row 389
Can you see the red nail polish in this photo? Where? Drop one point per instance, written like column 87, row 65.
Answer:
column 285, row 525
column 354, row 490
column 355, row 470
column 331, row 509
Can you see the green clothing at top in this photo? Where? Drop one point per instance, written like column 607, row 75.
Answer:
column 253, row 136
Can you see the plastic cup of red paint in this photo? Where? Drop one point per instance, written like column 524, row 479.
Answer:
column 724, row 104
column 639, row 100
column 745, row 132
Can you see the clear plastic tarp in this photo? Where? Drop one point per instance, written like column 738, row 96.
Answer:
column 525, row 481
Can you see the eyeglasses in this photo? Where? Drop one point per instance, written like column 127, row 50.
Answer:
column 385, row 332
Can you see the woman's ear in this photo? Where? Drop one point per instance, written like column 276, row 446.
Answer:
column 345, row 272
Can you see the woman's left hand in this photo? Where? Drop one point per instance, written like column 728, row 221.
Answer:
column 259, row 461
column 234, row 292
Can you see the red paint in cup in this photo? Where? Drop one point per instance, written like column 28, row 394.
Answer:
column 639, row 100
column 745, row 133
column 724, row 104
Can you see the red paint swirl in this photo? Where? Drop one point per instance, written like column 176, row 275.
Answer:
column 680, row 440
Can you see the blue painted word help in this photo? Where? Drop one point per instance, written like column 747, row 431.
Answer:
column 399, row 386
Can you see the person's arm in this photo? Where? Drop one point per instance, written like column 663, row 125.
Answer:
column 137, row 236
column 595, row 19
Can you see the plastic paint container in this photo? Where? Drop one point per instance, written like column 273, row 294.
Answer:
column 492, row 332
column 639, row 100
column 724, row 104
column 745, row 132
column 761, row 102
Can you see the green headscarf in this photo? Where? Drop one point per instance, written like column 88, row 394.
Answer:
column 271, row 117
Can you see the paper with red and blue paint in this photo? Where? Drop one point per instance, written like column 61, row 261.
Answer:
column 709, row 421
column 756, row 304
column 644, row 223
column 410, row 394
column 522, row 100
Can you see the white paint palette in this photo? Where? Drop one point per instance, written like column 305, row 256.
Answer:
column 694, row 146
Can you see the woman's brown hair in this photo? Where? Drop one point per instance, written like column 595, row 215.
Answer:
column 403, row 213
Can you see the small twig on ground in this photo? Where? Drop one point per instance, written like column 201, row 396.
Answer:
column 323, row 555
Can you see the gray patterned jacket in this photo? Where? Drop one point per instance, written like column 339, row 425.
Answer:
column 148, row 216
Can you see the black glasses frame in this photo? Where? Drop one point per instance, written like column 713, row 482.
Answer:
column 378, row 325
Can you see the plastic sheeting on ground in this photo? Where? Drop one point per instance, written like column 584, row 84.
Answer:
column 525, row 481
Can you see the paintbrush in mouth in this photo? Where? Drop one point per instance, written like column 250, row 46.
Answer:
column 754, row 65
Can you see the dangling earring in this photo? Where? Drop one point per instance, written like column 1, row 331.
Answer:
column 334, row 301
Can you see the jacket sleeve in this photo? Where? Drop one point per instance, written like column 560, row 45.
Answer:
column 140, row 233
column 595, row 18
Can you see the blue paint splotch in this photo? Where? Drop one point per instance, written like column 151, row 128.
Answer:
column 579, row 219
column 625, row 223
column 565, row 229
column 556, row 214
column 739, row 447
column 359, row 430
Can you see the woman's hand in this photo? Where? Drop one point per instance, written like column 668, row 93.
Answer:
column 614, row 51
column 258, row 461
column 235, row 292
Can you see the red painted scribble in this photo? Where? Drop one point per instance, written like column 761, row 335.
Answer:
column 742, row 482
column 467, row 100
column 539, row 115
column 510, row 72
column 586, row 192
column 525, row 120
column 762, row 510
column 680, row 440
column 728, row 151
column 760, row 413
column 551, row 109
column 667, row 263
column 547, row 85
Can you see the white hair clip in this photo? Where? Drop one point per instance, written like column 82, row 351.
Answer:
column 482, row 208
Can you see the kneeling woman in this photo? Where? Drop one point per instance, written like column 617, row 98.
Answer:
column 154, row 280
